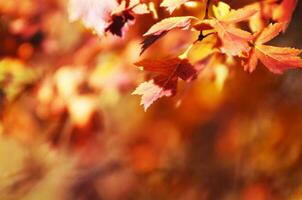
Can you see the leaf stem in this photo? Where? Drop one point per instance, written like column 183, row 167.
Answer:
column 207, row 8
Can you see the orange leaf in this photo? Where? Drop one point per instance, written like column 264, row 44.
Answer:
column 161, row 28
column 234, row 40
column 252, row 62
column 168, row 24
column 276, row 59
column 269, row 33
column 283, row 12
column 235, row 16
column 171, row 5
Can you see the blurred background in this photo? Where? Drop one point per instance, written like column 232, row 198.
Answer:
column 71, row 130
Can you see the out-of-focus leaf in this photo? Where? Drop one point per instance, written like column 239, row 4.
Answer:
column 283, row 12
column 94, row 14
column 171, row 5
column 14, row 77
column 33, row 173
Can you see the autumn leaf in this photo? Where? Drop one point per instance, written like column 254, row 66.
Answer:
column 251, row 62
column 118, row 22
column 234, row 40
column 169, row 67
column 124, row 14
column 170, row 23
column 269, row 33
column 272, row 10
column 149, row 40
column 14, row 77
column 202, row 49
column 151, row 91
column 167, row 72
column 283, row 12
column 276, row 59
column 160, row 29
column 138, row 7
column 108, row 16
column 260, row 20
column 171, row 5
column 94, row 14
column 239, row 15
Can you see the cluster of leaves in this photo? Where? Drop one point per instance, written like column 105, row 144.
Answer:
column 266, row 19
column 65, row 128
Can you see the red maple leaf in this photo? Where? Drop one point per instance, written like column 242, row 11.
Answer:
column 165, row 82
